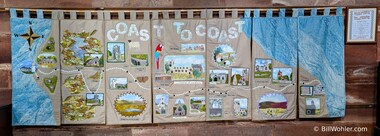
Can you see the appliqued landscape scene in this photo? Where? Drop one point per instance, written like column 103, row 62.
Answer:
column 273, row 104
column 185, row 67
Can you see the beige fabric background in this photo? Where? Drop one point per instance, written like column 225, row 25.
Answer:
column 77, row 26
column 228, row 92
column 172, row 45
column 113, row 117
column 307, row 79
column 289, row 91
column 56, row 96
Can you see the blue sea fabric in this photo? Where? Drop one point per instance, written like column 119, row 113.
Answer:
column 321, row 53
column 277, row 37
column 31, row 105
column 318, row 41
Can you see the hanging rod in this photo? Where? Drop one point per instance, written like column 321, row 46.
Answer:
column 168, row 10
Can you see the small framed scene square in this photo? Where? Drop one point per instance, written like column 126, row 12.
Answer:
column 361, row 25
column 118, row 83
column 313, row 106
column 218, row 77
column 239, row 76
column 115, row 52
column 263, row 68
column 306, row 90
column 282, row 75
column 93, row 60
column 94, row 99
column 138, row 60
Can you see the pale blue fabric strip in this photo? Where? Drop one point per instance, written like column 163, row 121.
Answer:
column 256, row 13
column 324, row 38
column 326, row 12
column 339, row 11
column 247, row 13
column 13, row 13
column 269, row 13
column 314, row 12
column 26, row 13
column 40, row 14
column 282, row 12
column 295, row 12
column 301, row 12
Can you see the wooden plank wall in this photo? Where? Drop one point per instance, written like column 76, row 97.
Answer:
column 360, row 63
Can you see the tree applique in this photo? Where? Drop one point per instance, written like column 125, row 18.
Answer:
column 75, row 45
column 75, row 84
column 74, row 108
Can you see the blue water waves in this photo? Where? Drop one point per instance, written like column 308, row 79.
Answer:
column 277, row 37
column 321, row 52
column 31, row 105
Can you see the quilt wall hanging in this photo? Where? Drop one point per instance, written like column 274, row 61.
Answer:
column 35, row 70
column 228, row 66
column 83, row 69
column 102, row 70
column 128, row 67
column 321, row 65
column 274, row 66
column 179, row 67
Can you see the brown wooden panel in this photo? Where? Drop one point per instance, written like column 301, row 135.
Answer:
column 6, row 120
column 131, row 3
column 72, row 130
column 378, row 43
column 4, row 21
column 367, row 3
column 248, row 3
column 198, row 3
column 362, row 115
column 5, row 96
column 5, row 76
column 361, row 94
column 300, row 2
column 341, row 2
column 1, row 4
column 316, row 129
column 5, row 47
column 152, row 3
column 110, row 3
column 161, row 131
column 49, row 3
column 275, row 128
column 361, row 74
column 230, row 128
column 361, row 54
